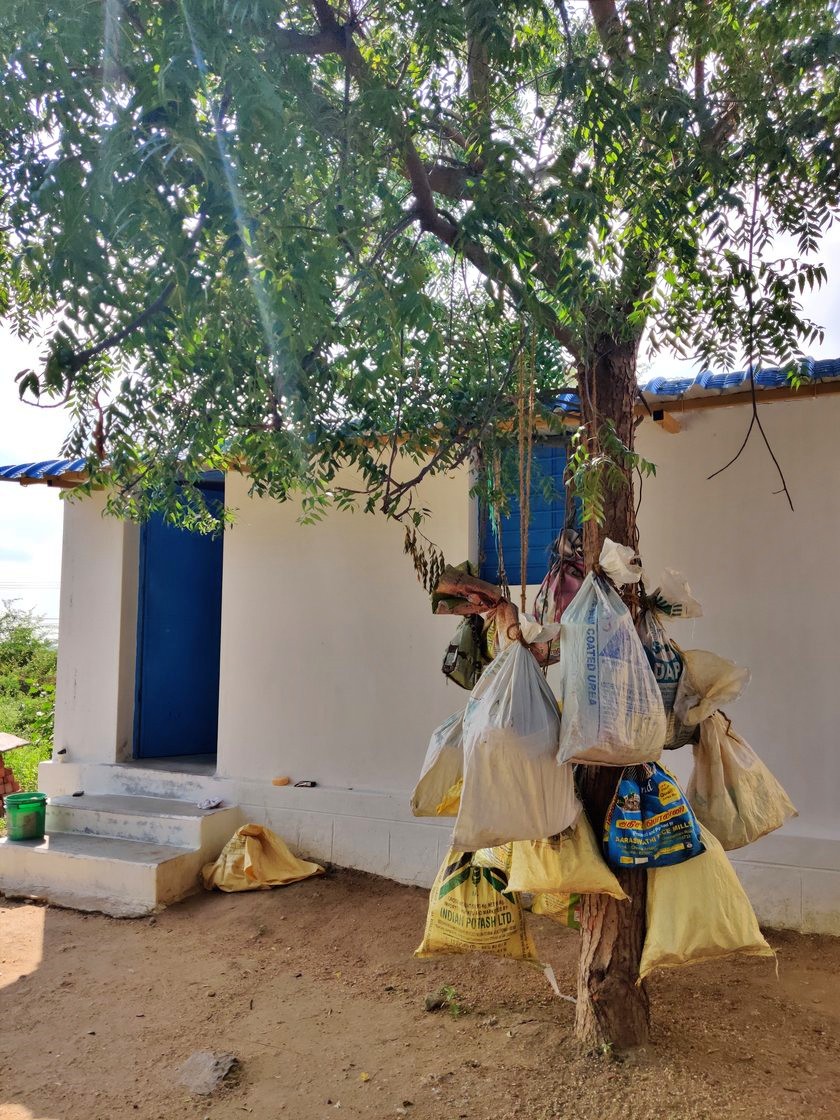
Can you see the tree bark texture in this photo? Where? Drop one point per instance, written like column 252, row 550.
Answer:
column 612, row 1011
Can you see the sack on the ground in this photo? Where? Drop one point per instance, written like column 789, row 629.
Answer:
column 731, row 790
column 612, row 708
column 442, row 768
column 708, row 682
column 570, row 863
column 471, row 910
column 559, row 907
column 254, row 859
column 650, row 823
column 513, row 788
column 666, row 663
column 698, row 911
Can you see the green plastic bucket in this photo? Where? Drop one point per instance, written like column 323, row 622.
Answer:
column 25, row 815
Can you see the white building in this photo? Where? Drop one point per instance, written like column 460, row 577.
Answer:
column 189, row 671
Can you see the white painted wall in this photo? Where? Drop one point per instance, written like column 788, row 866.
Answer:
column 767, row 579
column 330, row 666
column 97, row 634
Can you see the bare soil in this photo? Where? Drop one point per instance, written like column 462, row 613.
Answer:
column 314, row 988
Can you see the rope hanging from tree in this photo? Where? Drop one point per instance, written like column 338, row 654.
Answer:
column 526, row 367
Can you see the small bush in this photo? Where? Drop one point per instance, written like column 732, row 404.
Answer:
column 27, row 690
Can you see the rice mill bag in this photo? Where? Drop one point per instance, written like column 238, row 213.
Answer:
column 513, row 788
column 442, row 768
column 612, row 707
column 650, row 823
column 731, row 790
column 471, row 909
column 698, row 911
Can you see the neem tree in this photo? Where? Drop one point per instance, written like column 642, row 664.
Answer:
column 274, row 231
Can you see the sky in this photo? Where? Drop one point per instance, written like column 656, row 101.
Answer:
column 31, row 516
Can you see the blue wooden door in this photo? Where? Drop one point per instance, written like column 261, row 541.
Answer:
column 178, row 638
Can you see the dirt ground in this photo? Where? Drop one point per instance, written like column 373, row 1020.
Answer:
column 314, row 988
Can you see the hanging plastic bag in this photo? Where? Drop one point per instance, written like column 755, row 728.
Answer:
column 442, row 768
column 650, row 823
column 471, row 910
column 698, row 911
column 254, row 859
column 570, row 863
column 559, row 907
column 612, row 708
column 513, row 788
column 666, row 663
column 620, row 563
column 708, row 682
column 731, row 790
column 673, row 597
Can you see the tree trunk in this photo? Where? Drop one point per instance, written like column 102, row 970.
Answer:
column 612, row 1011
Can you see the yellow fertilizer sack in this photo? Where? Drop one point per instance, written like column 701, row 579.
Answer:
column 254, row 859
column 471, row 910
column 698, row 911
column 570, row 863
column 499, row 857
column 561, row 908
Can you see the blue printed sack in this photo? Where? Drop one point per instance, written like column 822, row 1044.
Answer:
column 650, row 823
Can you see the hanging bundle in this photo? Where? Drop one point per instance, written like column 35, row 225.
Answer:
column 513, row 788
column 612, row 707
column 731, row 790
column 650, row 823
column 666, row 662
column 442, row 768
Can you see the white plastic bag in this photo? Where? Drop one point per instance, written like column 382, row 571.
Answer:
column 513, row 788
column 666, row 661
column 620, row 563
column 708, row 682
column 673, row 597
column 442, row 767
column 731, row 790
column 612, row 708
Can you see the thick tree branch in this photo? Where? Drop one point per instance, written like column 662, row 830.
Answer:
column 609, row 27
column 111, row 340
column 425, row 209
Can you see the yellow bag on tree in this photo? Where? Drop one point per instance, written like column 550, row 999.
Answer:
column 254, row 859
column 731, row 790
column 471, row 910
column 698, row 911
column 570, row 863
column 498, row 857
column 561, row 908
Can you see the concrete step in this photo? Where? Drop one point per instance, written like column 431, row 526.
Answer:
column 153, row 820
column 123, row 878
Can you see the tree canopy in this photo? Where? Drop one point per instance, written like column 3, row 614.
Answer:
column 277, row 232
